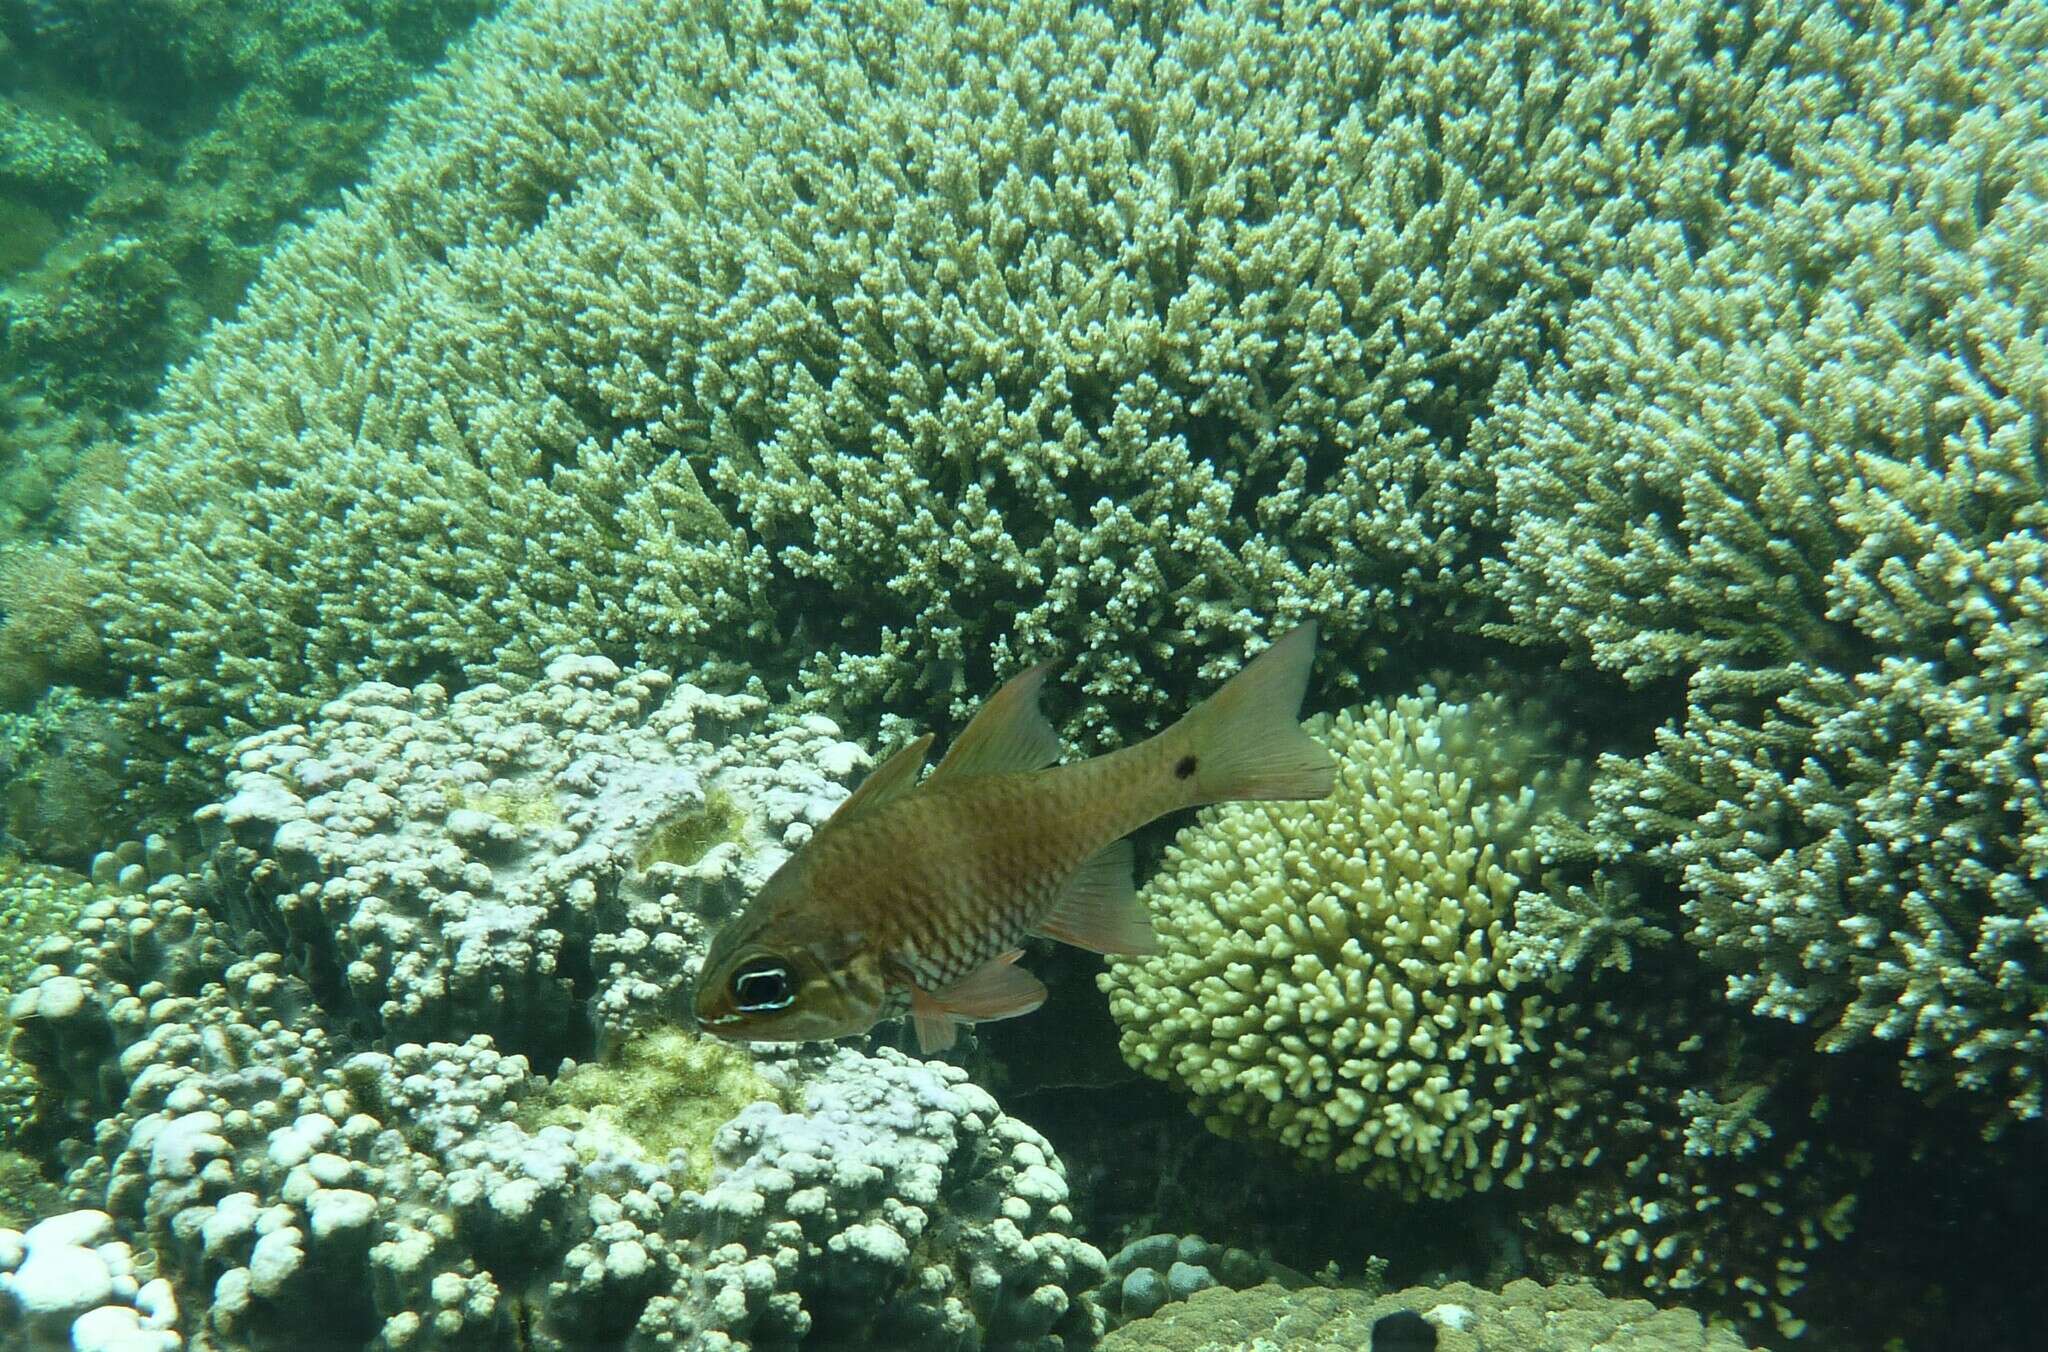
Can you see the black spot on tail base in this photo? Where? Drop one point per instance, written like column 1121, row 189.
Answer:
column 1184, row 767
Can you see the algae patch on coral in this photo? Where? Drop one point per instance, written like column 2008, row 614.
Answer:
column 528, row 807
column 686, row 837
column 665, row 1091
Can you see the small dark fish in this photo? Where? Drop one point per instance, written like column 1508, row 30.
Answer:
column 1403, row 1331
column 918, row 894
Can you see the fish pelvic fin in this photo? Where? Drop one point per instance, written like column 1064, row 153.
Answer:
column 998, row 989
column 1100, row 910
column 1008, row 734
column 1246, row 740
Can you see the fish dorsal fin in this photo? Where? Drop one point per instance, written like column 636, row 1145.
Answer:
column 886, row 781
column 998, row 989
column 1099, row 910
column 1008, row 734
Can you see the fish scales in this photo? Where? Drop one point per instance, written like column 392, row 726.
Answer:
column 991, row 856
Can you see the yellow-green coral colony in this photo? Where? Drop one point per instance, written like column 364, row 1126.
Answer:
column 1331, row 975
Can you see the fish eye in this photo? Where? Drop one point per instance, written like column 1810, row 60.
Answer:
column 762, row 985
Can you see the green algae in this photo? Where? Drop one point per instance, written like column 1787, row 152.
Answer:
column 688, row 836
column 26, row 1196
column 528, row 807
column 660, row 1093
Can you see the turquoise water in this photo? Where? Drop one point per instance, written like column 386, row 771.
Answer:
column 480, row 485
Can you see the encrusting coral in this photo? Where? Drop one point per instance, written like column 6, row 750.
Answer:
column 1523, row 1316
column 269, row 1132
column 1796, row 463
column 504, row 863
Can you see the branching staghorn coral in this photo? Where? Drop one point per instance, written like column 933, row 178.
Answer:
column 924, row 339
column 150, row 151
column 1801, row 468
column 1705, row 1166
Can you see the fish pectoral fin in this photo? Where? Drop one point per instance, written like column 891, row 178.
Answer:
column 1008, row 734
column 1100, row 910
column 998, row 989
column 892, row 777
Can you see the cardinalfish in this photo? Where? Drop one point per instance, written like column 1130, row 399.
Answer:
column 916, row 895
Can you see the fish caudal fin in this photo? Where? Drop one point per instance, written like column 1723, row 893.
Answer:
column 998, row 989
column 1246, row 741
column 1100, row 910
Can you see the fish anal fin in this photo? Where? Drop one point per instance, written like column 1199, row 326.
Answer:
column 998, row 989
column 936, row 1029
column 1100, row 910
column 1008, row 734
column 887, row 780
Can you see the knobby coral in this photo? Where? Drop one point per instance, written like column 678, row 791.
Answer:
column 1337, row 976
column 287, row 1152
column 482, row 862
